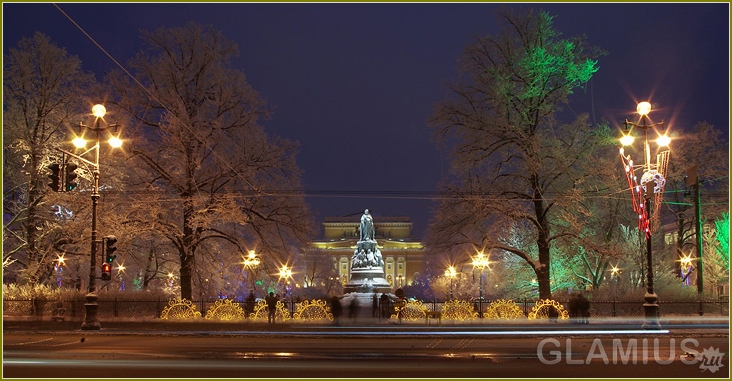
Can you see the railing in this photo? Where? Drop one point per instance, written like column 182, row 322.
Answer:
column 138, row 309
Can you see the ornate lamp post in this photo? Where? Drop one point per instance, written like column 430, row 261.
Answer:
column 90, row 320
column 650, row 187
column 451, row 273
column 250, row 262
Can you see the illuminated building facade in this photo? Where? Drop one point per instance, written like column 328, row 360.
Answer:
column 402, row 254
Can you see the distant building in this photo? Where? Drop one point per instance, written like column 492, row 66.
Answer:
column 402, row 254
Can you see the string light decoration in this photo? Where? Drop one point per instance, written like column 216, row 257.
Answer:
column 261, row 312
column 459, row 310
column 504, row 309
column 180, row 309
column 314, row 310
column 542, row 308
column 412, row 310
column 225, row 309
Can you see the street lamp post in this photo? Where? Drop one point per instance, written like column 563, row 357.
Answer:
column 250, row 262
column 286, row 272
column 90, row 307
column 482, row 262
column 451, row 273
column 652, row 182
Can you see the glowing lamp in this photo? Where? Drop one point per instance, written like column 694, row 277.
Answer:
column 626, row 140
column 115, row 142
column 644, row 108
column 663, row 141
column 79, row 142
column 99, row 110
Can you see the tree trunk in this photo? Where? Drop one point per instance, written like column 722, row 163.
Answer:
column 186, row 251
column 543, row 273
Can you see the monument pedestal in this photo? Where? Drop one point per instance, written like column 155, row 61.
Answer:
column 367, row 280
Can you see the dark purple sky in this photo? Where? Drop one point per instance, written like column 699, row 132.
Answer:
column 356, row 83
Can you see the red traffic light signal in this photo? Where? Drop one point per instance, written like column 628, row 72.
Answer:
column 106, row 271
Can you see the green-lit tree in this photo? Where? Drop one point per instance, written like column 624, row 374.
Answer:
column 722, row 235
column 512, row 159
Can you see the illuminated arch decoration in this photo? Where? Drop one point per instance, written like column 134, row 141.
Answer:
column 261, row 312
column 459, row 310
column 180, row 309
column 313, row 311
column 542, row 307
column 504, row 309
column 412, row 310
column 225, row 309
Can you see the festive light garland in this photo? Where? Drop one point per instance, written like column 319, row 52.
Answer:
column 504, row 309
column 180, row 309
column 225, row 309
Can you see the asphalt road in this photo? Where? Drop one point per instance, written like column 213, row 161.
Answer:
column 682, row 351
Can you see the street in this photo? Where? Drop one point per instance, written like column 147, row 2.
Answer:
column 344, row 352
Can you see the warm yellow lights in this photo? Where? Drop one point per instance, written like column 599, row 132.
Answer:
column 285, row 272
column 251, row 259
column 115, row 142
column 663, row 141
column 79, row 142
column 644, row 108
column 615, row 271
column 451, row 272
column 686, row 261
column 481, row 261
column 99, row 111
column 627, row 140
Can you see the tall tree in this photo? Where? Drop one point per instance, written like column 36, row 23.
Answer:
column 511, row 159
column 704, row 148
column 43, row 88
column 200, row 139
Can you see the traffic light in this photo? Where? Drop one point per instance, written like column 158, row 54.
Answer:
column 69, row 185
column 106, row 271
column 109, row 242
column 55, row 177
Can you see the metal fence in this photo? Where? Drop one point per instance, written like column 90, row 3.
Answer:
column 616, row 308
column 141, row 309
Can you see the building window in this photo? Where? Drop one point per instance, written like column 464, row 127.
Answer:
column 388, row 266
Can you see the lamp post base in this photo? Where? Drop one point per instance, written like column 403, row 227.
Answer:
column 90, row 320
column 650, row 308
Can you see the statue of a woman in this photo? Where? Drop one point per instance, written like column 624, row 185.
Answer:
column 367, row 226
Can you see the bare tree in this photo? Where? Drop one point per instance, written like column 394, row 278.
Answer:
column 512, row 161
column 704, row 148
column 42, row 85
column 198, row 134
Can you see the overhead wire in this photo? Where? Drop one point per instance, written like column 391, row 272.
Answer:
column 184, row 125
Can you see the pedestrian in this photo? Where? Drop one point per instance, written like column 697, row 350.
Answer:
column 375, row 307
column 353, row 310
column 384, row 303
column 251, row 300
column 584, row 307
column 336, row 309
column 271, row 300
column 575, row 312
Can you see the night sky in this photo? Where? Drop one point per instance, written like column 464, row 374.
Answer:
column 355, row 83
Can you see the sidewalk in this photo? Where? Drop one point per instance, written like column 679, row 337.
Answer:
column 716, row 324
